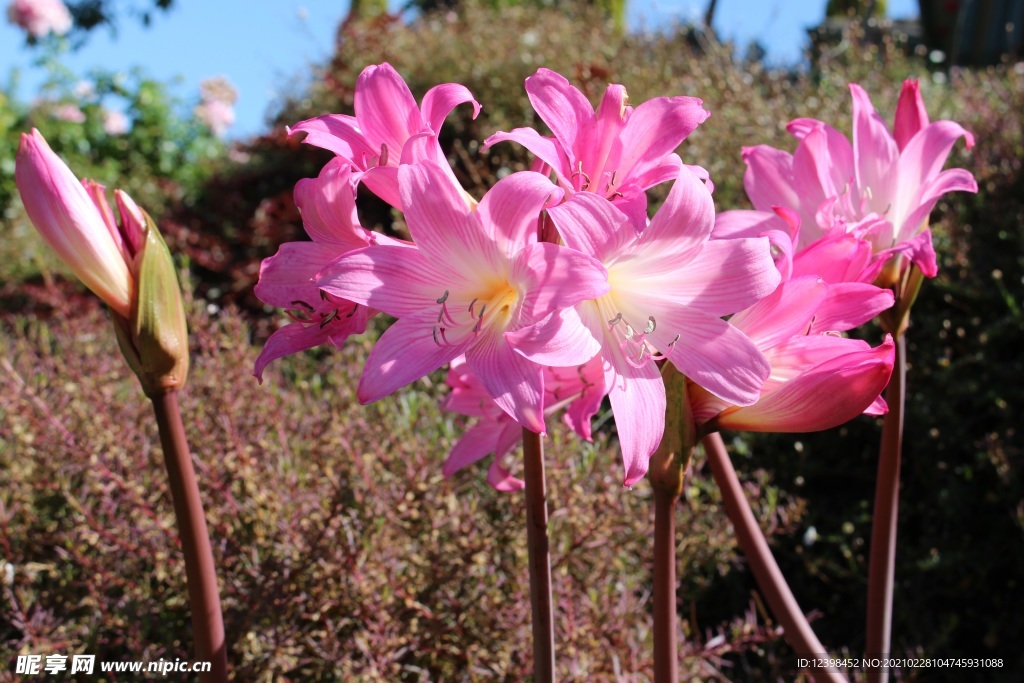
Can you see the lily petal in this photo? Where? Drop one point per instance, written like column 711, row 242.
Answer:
column 385, row 108
column 442, row 225
column 396, row 280
column 560, row 340
column 911, row 116
column 561, row 106
column 405, row 352
column 829, row 395
column 515, row 383
column 440, row 100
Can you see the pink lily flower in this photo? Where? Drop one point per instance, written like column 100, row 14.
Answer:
column 842, row 260
column 881, row 188
column 616, row 151
column 478, row 283
column 495, row 431
column 386, row 117
column 669, row 286
column 818, row 380
column 76, row 221
column 288, row 278
column 578, row 389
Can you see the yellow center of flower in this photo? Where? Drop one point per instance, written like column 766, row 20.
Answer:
column 499, row 309
column 495, row 309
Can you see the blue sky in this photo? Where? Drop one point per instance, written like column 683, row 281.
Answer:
column 265, row 46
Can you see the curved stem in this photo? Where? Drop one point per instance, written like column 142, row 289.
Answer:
column 796, row 629
column 539, row 558
column 882, row 564
column 201, row 575
column 666, row 654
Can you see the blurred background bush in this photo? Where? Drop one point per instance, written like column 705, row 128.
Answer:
column 344, row 555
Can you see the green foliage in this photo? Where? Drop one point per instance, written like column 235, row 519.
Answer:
column 90, row 14
column 161, row 155
column 856, row 8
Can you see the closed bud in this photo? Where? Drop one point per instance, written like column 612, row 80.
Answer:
column 72, row 221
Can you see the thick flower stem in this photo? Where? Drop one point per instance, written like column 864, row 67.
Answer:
column 667, row 471
column 666, row 655
column 882, row 564
column 204, row 599
column 796, row 629
column 539, row 557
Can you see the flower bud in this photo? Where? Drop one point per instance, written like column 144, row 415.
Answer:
column 71, row 222
column 126, row 264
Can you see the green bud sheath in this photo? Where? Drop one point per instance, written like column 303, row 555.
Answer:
column 155, row 341
column 672, row 458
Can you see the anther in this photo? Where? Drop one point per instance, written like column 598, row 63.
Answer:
column 615, row 321
column 444, row 297
column 324, row 296
column 629, row 332
column 383, row 155
column 471, row 305
column 303, row 304
column 651, row 324
column 673, row 342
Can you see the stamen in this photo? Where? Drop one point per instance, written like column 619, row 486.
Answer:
column 471, row 305
column 615, row 321
column 444, row 315
column 579, row 172
column 324, row 296
column 383, row 155
column 651, row 324
column 328, row 318
column 303, row 304
column 480, row 318
column 353, row 311
column 673, row 342
column 629, row 332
